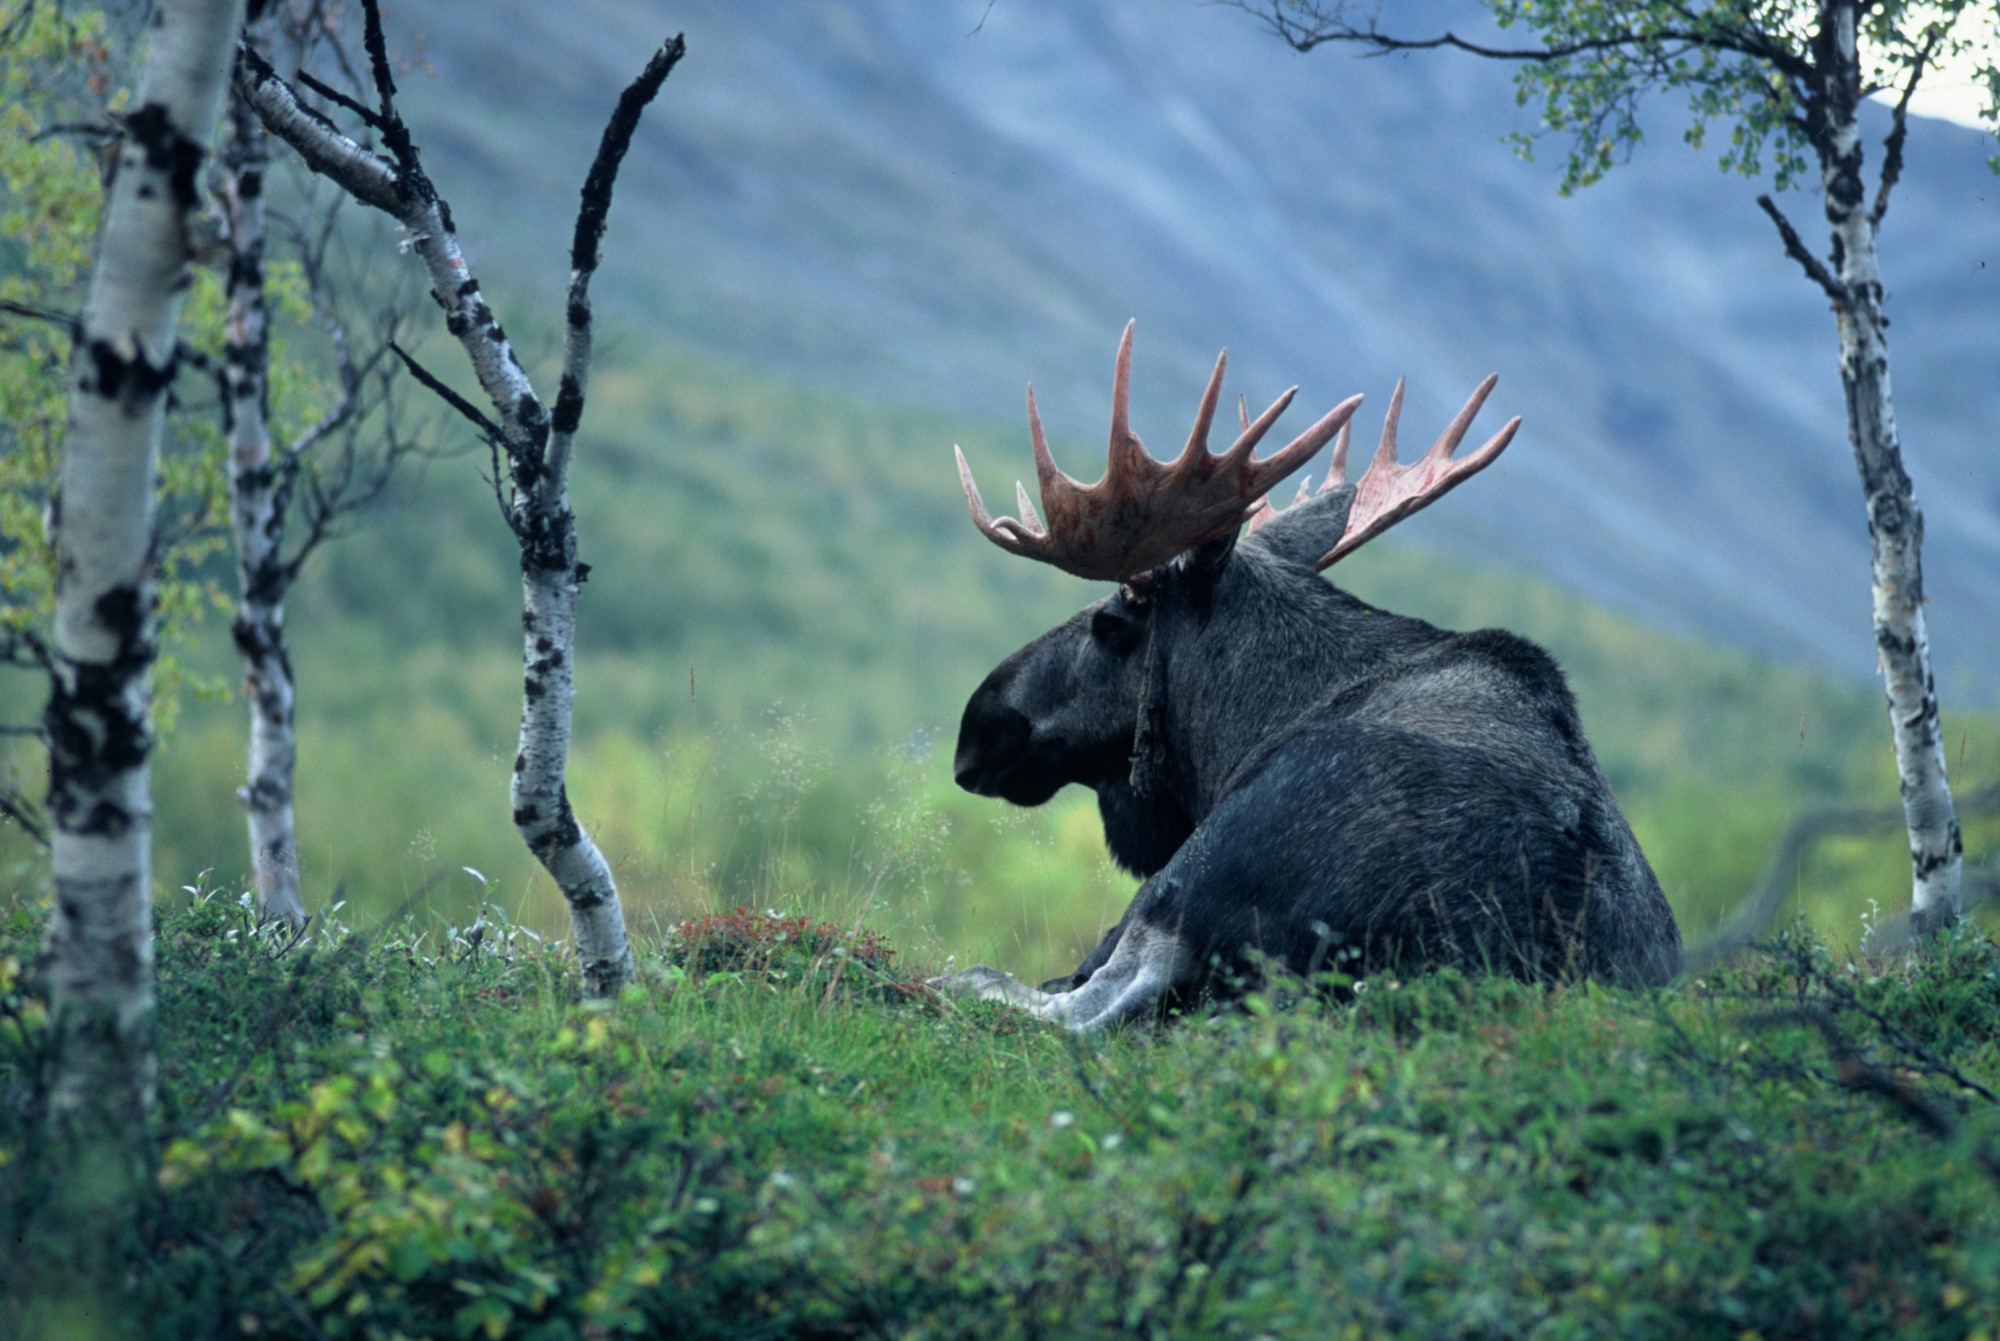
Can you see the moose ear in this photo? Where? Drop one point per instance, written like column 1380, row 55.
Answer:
column 1308, row 528
column 1206, row 561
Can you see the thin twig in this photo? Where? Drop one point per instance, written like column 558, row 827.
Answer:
column 102, row 132
column 1796, row 248
column 333, row 95
column 487, row 428
column 1321, row 25
column 68, row 321
column 1855, row 1072
column 25, row 813
column 1899, row 127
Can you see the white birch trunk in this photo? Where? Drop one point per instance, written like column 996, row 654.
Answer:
column 540, row 791
column 1895, row 525
column 258, row 489
column 100, row 945
column 539, row 512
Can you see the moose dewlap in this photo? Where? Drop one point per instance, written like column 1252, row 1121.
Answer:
column 1296, row 775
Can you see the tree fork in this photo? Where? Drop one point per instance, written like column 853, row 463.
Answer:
column 537, row 445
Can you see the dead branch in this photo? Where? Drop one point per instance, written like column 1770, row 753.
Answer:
column 1754, row 917
column 1796, row 248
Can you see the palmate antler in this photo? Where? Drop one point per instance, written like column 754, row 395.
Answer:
column 1387, row 492
column 1144, row 512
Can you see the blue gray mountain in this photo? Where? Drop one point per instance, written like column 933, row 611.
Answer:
column 936, row 201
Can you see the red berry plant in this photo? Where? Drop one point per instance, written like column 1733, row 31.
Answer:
column 822, row 956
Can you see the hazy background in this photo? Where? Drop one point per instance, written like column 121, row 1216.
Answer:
column 933, row 203
column 847, row 236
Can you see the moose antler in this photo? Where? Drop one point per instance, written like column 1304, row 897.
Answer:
column 1144, row 512
column 1387, row 492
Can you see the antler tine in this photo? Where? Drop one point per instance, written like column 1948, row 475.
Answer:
column 1048, row 477
column 1144, row 512
column 1197, row 443
column 1386, row 493
column 996, row 531
column 1385, row 451
column 1337, row 473
column 1454, row 432
column 1239, row 451
column 1029, row 517
column 1299, row 450
column 1127, row 454
column 1262, row 511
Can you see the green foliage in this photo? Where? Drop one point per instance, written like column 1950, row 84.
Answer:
column 48, row 225
column 59, row 73
column 1747, row 65
column 408, row 1135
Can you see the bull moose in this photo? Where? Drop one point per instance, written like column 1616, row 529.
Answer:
column 1297, row 776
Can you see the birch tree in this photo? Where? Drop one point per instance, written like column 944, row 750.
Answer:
column 1788, row 77
column 97, row 723
column 62, row 70
column 265, row 478
column 536, row 442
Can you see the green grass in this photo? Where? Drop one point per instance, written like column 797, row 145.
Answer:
column 406, row 1134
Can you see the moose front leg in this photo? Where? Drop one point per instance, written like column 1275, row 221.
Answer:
column 1149, row 963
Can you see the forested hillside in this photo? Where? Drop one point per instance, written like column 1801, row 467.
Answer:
column 933, row 203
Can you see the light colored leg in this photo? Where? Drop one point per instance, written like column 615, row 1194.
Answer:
column 1148, row 963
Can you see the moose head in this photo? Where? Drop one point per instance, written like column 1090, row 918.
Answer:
column 1294, row 771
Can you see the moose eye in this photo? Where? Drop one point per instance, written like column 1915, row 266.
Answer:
column 1117, row 627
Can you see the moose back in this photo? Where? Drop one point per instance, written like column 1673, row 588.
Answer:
column 1297, row 775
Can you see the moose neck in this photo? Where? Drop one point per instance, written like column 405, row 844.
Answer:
column 1246, row 657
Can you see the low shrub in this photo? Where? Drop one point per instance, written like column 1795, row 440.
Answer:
column 417, row 1136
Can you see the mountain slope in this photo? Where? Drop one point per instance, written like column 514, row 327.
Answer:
column 934, row 203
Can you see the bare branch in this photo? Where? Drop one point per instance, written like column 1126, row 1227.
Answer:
column 333, row 95
column 98, row 132
column 1899, row 125
column 590, row 221
column 68, row 321
column 1855, row 1072
column 365, row 175
column 1753, row 918
column 1796, row 248
column 26, row 815
column 1322, row 25
column 353, row 489
column 311, row 262
column 491, row 431
column 24, row 647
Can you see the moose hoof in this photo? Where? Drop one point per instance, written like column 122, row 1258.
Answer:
column 981, row 983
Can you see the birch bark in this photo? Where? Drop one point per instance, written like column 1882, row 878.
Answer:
column 1895, row 525
column 537, row 446
column 258, row 500
column 98, row 721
